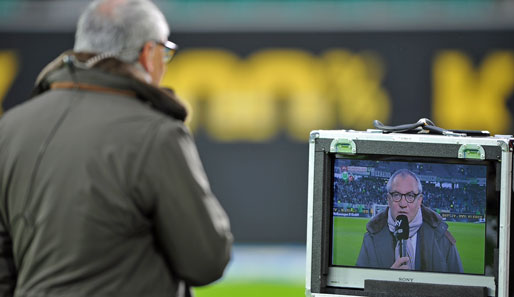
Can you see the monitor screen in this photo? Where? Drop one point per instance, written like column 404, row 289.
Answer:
column 444, row 205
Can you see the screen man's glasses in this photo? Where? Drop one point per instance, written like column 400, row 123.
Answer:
column 409, row 197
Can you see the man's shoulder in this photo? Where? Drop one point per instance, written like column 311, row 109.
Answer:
column 431, row 217
column 29, row 111
column 450, row 237
column 437, row 224
column 127, row 119
column 378, row 222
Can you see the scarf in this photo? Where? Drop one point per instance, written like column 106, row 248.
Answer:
column 72, row 70
column 413, row 235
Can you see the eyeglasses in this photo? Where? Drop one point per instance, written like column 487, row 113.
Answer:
column 409, row 197
column 170, row 49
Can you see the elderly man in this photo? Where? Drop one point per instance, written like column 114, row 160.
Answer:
column 102, row 192
column 430, row 246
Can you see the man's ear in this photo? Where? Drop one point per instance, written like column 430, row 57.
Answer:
column 146, row 56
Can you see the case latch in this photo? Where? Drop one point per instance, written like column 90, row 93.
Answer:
column 343, row 146
column 471, row 151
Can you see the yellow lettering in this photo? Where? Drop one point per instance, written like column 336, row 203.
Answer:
column 469, row 99
column 8, row 71
column 201, row 76
column 291, row 84
column 251, row 99
column 354, row 87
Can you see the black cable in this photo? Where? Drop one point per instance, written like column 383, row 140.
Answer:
column 425, row 125
column 405, row 128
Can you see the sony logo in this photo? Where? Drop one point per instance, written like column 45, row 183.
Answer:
column 406, row 279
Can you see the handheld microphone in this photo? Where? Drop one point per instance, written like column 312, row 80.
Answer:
column 401, row 233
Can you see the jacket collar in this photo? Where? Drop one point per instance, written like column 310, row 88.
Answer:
column 70, row 69
column 379, row 221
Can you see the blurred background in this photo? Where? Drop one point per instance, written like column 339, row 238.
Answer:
column 259, row 75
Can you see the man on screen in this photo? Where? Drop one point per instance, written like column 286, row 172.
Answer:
column 429, row 246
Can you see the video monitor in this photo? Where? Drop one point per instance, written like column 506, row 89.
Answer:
column 453, row 195
column 408, row 209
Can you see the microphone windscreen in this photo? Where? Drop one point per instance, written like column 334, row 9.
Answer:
column 402, row 227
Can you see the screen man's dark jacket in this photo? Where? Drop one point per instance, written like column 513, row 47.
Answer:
column 102, row 192
column 437, row 250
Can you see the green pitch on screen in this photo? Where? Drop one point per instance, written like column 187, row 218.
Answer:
column 349, row 232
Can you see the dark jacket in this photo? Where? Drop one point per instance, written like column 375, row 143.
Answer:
column 437, row 250
column 102, row 192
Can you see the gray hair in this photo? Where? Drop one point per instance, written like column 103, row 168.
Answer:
column 403, row 173
column 119, row 28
